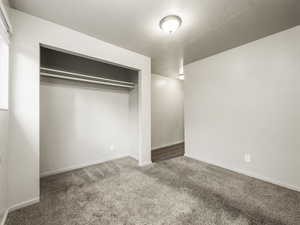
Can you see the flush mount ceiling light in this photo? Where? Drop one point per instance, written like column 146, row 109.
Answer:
column 170, row 23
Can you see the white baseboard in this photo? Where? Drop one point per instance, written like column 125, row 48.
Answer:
column 167, row 145
column 250, row 174
column 66, row 169
column 3, row 219
column 23, row 204
column 75, row 167
column 146, row 163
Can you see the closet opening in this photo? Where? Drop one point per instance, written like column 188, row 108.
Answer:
column 88, row 111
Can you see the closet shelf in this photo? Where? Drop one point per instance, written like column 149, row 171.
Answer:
column 61, row 74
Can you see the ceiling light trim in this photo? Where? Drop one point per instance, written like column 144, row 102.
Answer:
column 177, row 21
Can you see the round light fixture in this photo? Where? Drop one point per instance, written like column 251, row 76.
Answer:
column 170, row 23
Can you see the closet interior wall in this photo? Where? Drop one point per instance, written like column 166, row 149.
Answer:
column 85, row 123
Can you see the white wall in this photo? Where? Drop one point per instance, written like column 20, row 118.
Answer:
column 133, row 114
column 246, row 100
column 166, row 111
column 82, row 124
column 4, row 119
column 3, row 162
column 4, row 74
column 24, row 143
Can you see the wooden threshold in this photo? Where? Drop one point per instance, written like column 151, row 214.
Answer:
column 167, row 152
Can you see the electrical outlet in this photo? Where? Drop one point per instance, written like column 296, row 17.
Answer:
column 247, row 158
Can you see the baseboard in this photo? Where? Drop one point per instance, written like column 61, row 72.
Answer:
column 146, row 163
column 23, row 204
column 167, row 145
column 75, row 167
column 250, row 174
column 2, row 222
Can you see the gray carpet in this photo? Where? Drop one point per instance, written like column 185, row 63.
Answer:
column 179, row 191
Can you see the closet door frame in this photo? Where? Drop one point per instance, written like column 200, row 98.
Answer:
column 144, row 104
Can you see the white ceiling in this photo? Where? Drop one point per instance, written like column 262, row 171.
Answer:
column 209, row 26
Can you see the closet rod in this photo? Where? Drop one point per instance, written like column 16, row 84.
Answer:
column 85, row 80
column 85, row 76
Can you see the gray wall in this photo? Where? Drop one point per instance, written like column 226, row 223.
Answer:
column 4, row 120
column 3, row 161
column 4, row 117
column 167, row 111
column 246, row 101
column 82, row 124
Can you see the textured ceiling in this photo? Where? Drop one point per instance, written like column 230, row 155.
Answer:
column 209, row 26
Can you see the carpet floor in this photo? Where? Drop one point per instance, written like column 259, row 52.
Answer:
column 180, row 191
